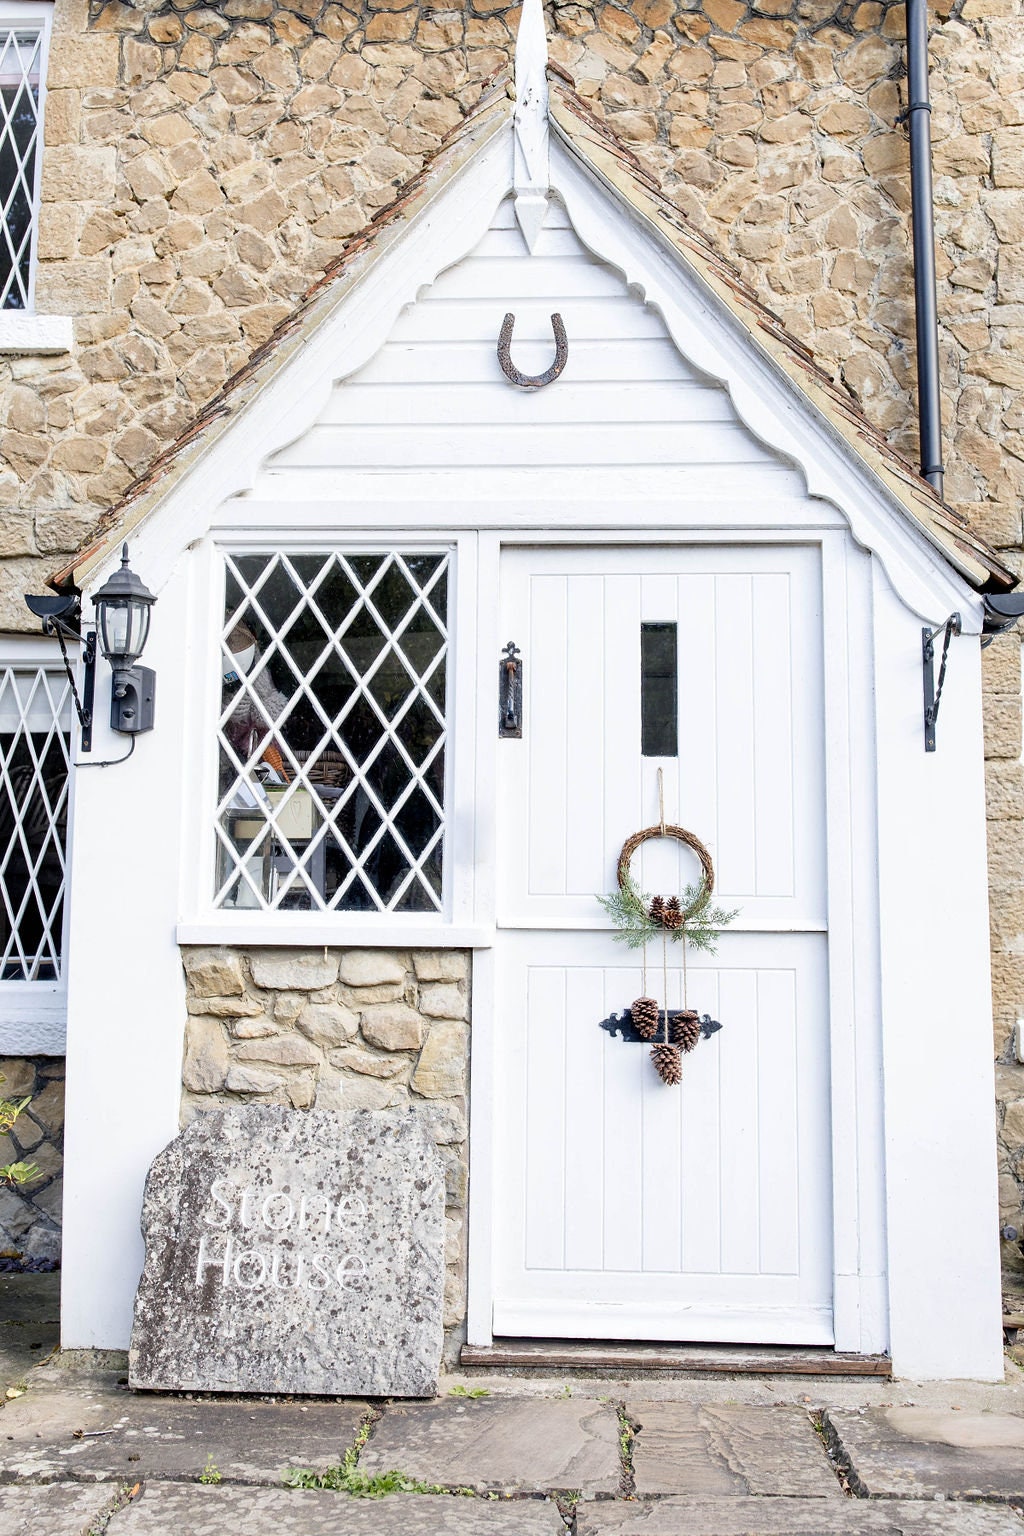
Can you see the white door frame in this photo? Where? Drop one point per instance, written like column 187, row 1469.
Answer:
column 860, row 1304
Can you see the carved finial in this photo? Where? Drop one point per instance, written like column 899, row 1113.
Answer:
column 531, row 122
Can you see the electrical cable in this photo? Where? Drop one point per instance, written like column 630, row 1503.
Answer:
column 108, row 762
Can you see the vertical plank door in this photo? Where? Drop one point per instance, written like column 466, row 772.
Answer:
column 625, row 1208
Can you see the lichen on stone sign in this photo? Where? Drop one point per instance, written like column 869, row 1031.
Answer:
column 293, row 1251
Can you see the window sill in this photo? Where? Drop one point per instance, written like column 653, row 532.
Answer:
column 24, row 335
column 277, row 930
column 32, row 1019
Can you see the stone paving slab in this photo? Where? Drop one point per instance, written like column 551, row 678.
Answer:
column 32, row 1298
column 493, row 1443
column 53, row 1511
column 728, row 1451
column 23, row 1346
column 911, row 1452
column 131, row 1437
column 793, row 1517
column 168, row 1510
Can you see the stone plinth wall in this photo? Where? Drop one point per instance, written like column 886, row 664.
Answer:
column 30, row 1215
column 340, row 1029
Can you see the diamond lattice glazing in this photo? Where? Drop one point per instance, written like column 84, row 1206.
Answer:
column 20, row 67
column 35, row 744
column 333, row 731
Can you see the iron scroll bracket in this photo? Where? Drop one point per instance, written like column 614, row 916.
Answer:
column 933, row 691
column 622, row 1026
column 532, row 380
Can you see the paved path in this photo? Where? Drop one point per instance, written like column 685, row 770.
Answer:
column 80, row 1455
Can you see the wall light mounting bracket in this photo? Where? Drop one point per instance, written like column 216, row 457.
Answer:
column 57, row 614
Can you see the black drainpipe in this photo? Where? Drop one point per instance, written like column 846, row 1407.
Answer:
column 919, row 113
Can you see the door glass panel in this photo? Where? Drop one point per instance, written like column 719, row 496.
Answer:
column 659, row 710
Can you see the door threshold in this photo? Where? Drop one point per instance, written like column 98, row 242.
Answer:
column 682, row 1359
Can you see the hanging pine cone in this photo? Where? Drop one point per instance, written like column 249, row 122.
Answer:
column 668, row 1062
column 644, row 1014
column 684, row 1029
column 657, row 912
column 672, row 915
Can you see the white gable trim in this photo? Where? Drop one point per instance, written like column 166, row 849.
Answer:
column 444, row 231
column 766, row 399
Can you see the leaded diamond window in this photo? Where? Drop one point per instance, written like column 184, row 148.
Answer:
column 21, row 71
column 333, row 732
column 35, row 746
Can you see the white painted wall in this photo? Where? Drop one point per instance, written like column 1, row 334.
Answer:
column 942, row 1214
column 126, row 992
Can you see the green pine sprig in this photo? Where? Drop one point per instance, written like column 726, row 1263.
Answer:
column 630, row 911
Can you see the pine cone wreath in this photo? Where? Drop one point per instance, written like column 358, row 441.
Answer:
column 684, row 1029
column 668, row 1063
column 672, row 916
column 657, row 912
column 644, row 1014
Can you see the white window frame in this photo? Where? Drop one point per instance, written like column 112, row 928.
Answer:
column 33, row 1014
column 23, row 332
column 455, row 926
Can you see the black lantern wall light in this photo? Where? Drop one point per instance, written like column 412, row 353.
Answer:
column 124, row 607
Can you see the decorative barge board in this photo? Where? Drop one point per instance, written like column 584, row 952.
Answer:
column 664, row 473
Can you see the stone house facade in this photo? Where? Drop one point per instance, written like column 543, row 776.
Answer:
column 203, row 165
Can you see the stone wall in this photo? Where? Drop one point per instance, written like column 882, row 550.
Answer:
column 1006, row 884
column 340, row 1029
column 30, row 1215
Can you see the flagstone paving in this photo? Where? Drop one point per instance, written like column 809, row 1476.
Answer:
column 913, row 1452
column 66, row 1510
column 793, row 1517
column 29, row 1326
column 96, row 1437
column 164, row 1510
column 716, row 1451
column 81, row 1454
column 500, row 1443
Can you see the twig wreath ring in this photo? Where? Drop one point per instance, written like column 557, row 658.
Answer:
column 689, row 916
column 680, row 834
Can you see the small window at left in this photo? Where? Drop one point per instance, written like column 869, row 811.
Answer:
column 23, row 36
column 35, row 749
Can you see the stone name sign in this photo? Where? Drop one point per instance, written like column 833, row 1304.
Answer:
column 293, row 1251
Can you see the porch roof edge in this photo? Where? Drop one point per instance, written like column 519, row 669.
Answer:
column 622, row 174
column 491, row 114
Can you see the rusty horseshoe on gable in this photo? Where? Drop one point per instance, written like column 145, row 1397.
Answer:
column 532, row 380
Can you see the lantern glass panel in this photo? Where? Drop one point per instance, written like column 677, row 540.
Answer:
column 124, row 627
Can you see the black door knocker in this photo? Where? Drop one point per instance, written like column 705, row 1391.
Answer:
column 532, row 380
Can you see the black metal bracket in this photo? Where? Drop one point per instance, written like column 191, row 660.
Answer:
column 625, row 1029
column 510, row 691
column 933, row 691
column 55, row 613
column 532, row 380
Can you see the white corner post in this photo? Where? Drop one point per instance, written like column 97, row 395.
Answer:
column 531, row 175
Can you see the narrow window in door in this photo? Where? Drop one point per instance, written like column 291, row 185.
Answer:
column 659, row 736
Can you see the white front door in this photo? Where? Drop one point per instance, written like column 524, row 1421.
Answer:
column 626, row 1208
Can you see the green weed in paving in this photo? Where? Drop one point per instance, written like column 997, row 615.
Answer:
column 347, row 1478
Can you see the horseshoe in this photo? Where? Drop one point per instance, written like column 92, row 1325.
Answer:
column 532, row 380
